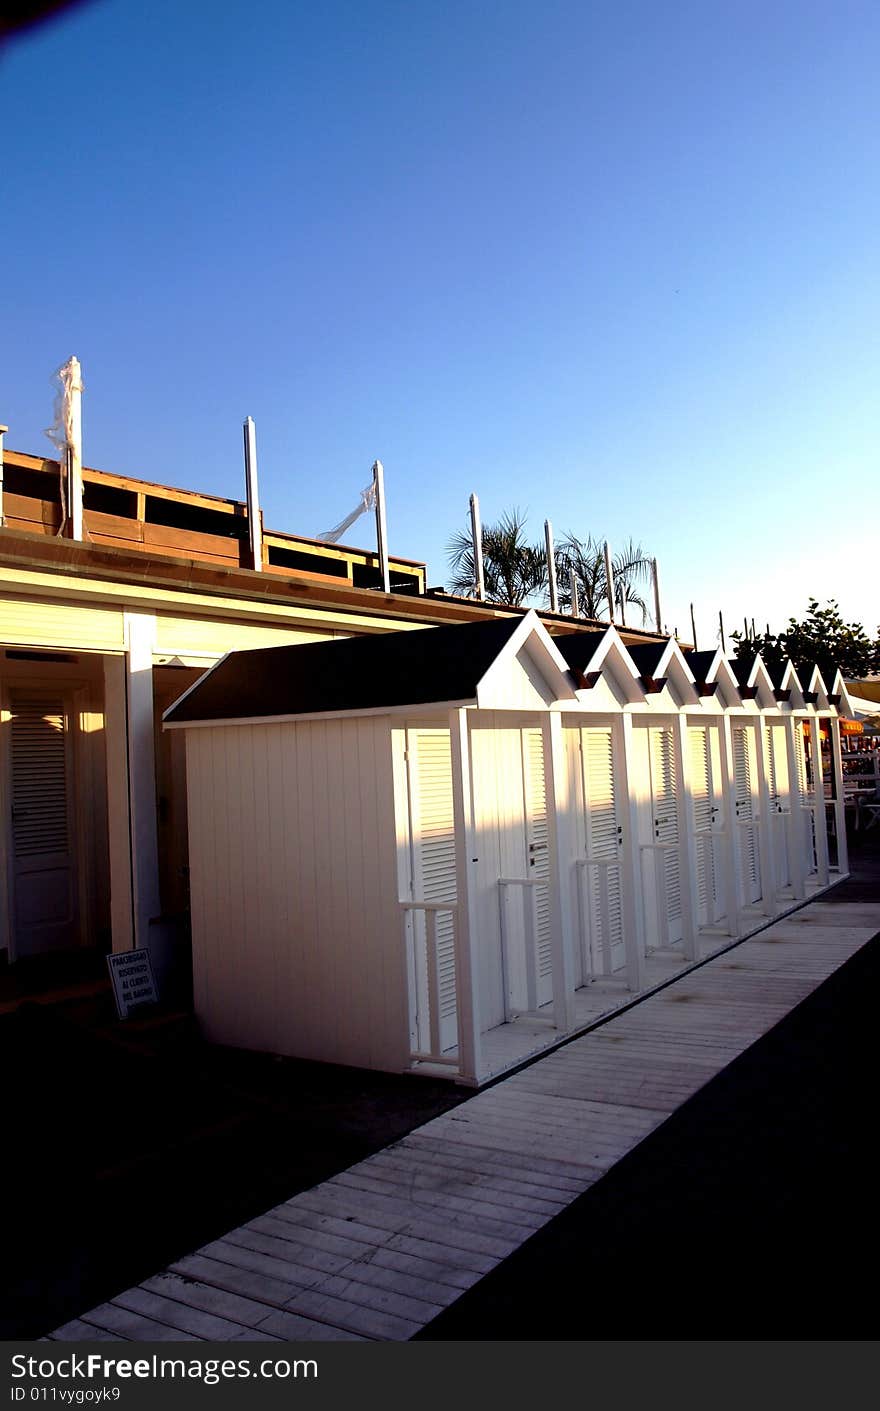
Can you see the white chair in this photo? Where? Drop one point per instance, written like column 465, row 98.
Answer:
column 869, row 813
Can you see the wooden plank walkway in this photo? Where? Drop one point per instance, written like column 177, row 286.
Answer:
column 377, row 1251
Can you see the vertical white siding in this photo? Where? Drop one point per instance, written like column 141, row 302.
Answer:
column 296, row 933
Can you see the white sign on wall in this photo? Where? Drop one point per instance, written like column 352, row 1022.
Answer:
column 131, row 973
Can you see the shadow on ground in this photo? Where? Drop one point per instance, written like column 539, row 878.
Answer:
column 753, row 1211
column 129, row 1146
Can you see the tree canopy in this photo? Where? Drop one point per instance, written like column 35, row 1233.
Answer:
column 515, row 570
column 823, row 639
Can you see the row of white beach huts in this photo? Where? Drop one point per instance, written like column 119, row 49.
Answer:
column 443, row 850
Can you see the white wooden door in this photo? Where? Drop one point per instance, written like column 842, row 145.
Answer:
column 746, row 807
column 779, row 801
column 599, row 864
column 663, row 911
column 705, row 789
column 43, row 864
column 432, row 835
column 537, row 854
column 805, row 801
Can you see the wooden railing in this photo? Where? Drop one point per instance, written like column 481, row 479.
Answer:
column 660, row 893
column 529, row 890
column 603, row 865
column 435, row 1052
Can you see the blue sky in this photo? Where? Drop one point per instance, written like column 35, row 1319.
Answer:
column 614, row 263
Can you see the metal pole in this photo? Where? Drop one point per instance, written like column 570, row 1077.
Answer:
column 721, row 625
column 255, row 528
column 656, row 595
column 477, row 540
column 609, row 582
column 575, row 605
column 693, row 627
column 551, row 566
column 381, row 527
column 74, row 450
column 3, row 430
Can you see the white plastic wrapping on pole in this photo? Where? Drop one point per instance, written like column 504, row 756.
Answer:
column 477, row 538
column 3, row 431
column 255, row 527
column 66, row 435
column 575, row 605
column 657, row 595
column 609, row 581
column 551, row 566
column 366, row 502
column 381, row 527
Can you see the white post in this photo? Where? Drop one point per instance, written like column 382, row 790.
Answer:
column 559, row 821
column 131, row 785
column 837, row 785
column 731, row 841
column 656, row 577
column 477, row 538
column 575, row 605
column 3, row 430
column 73, row 423
column 609, row 582
column 766, row 839
column 118, row 802
column 140, row 632
column 821, row 825
column 467, row 970
column 632, row 884
column 690, row 900
column 796, row 841
column 381, row 527
column 255, row 528
column 551, row 566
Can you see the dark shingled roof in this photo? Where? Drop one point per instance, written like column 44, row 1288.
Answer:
column 647, row 656
column 350, row 673
column 742, row 670
column 578, row 647
column 699, row 663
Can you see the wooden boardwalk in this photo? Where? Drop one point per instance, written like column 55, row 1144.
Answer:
column 379, row 1250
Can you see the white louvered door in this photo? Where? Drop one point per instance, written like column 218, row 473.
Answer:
column 538, row 853
column 806, row 801
column 600, row 875
column 429, row 762
column 706, row 809
column 43, row 871
column 667, row 858
column 744, row 770
column 776, row 757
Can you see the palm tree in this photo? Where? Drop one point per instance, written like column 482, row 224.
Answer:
column 584, row 559
column 513, row 569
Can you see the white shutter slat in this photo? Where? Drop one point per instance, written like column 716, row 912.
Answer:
column 602, row 840
column 742, row 770
column 536, row 813
column 435, row 842
column 39, row 776
column 666, row 813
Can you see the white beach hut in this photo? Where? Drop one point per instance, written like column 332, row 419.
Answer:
column 445, row 849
